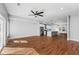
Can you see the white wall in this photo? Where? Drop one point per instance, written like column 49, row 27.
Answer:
column 23, row 28
column 49, row 30
column 4, row 14
column 74, row 27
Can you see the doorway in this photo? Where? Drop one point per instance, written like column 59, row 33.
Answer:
column 41, row 31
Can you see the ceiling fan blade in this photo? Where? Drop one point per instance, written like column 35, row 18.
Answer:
column 41, row 15
column 33, row 12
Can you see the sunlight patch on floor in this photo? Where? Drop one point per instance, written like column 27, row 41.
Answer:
column 18, row 51
column 20, row 41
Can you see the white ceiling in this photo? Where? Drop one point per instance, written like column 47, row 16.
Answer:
column 52, row 11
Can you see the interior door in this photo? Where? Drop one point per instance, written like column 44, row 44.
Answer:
column 41, row 31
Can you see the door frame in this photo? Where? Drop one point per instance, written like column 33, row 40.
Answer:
column 1, row 33
column 3, row 29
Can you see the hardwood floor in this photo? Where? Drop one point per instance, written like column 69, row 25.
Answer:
column 18, row 51
column 44, row 46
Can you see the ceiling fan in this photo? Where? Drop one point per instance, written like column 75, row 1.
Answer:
column 37, row 13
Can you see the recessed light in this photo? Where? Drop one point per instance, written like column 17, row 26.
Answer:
column 61, row 8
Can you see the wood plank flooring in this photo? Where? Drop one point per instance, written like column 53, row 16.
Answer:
column 18, row 51
column 45, row 45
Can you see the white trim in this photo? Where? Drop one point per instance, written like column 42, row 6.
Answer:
column 3, row 20
column 2, row 32
column 21, row 37
column 68, row 27
column 75, row 40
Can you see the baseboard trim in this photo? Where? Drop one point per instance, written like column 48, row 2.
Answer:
column 17, row 37
column 76, row 40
